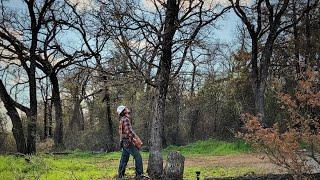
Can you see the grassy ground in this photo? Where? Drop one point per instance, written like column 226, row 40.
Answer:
column 210, row 157
column 211, row 148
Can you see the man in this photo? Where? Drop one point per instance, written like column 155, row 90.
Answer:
column 130, row 144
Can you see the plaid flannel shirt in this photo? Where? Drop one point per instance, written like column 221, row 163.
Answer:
column 125, row 129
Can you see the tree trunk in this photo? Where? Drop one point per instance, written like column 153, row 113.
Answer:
column 194, row 119
column 155, row 163
column 148, row 100
column 50, row 119
column 164, row 142
column 110, row 142
column 176, row 122
column 193, row 79
column 259, row 85
column 296, row 39
column 258, row 91
column 256, row 82
column 12, row 112
column 81, row 118
column 32, row 117
column 109, row 129
column 91, row 112
column 308, row 38
column 77, row 119
column 56, row 100
column 45, row 119
column 258, row 88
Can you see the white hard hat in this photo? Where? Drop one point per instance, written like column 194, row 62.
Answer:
column 120, row 109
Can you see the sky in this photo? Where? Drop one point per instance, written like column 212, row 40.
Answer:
column 227, row 25
column 227, row 29
column 225, row 33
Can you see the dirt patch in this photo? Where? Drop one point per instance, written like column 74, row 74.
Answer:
column 242, row 160
column 255, row 161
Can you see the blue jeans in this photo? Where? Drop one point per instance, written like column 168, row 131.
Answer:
column 125, row 158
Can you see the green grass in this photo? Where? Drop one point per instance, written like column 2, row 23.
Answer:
column 80, row 165
column 212, row 147
column 85, row 165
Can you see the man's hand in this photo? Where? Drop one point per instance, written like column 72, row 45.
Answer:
column 137, row 142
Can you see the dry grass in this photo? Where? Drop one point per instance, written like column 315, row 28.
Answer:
column 234, row 161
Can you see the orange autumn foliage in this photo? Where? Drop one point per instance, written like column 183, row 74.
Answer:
column 299, row 143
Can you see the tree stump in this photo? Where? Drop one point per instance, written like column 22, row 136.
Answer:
column 155, row 165
column 174, row 166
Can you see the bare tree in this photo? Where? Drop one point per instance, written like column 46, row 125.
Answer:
column 12, row 112
column 156, row 44
column 77, row 85
column 33, row 21
column 47, row 108
column 264, row 22
column 94, row 36
column 49, row 53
